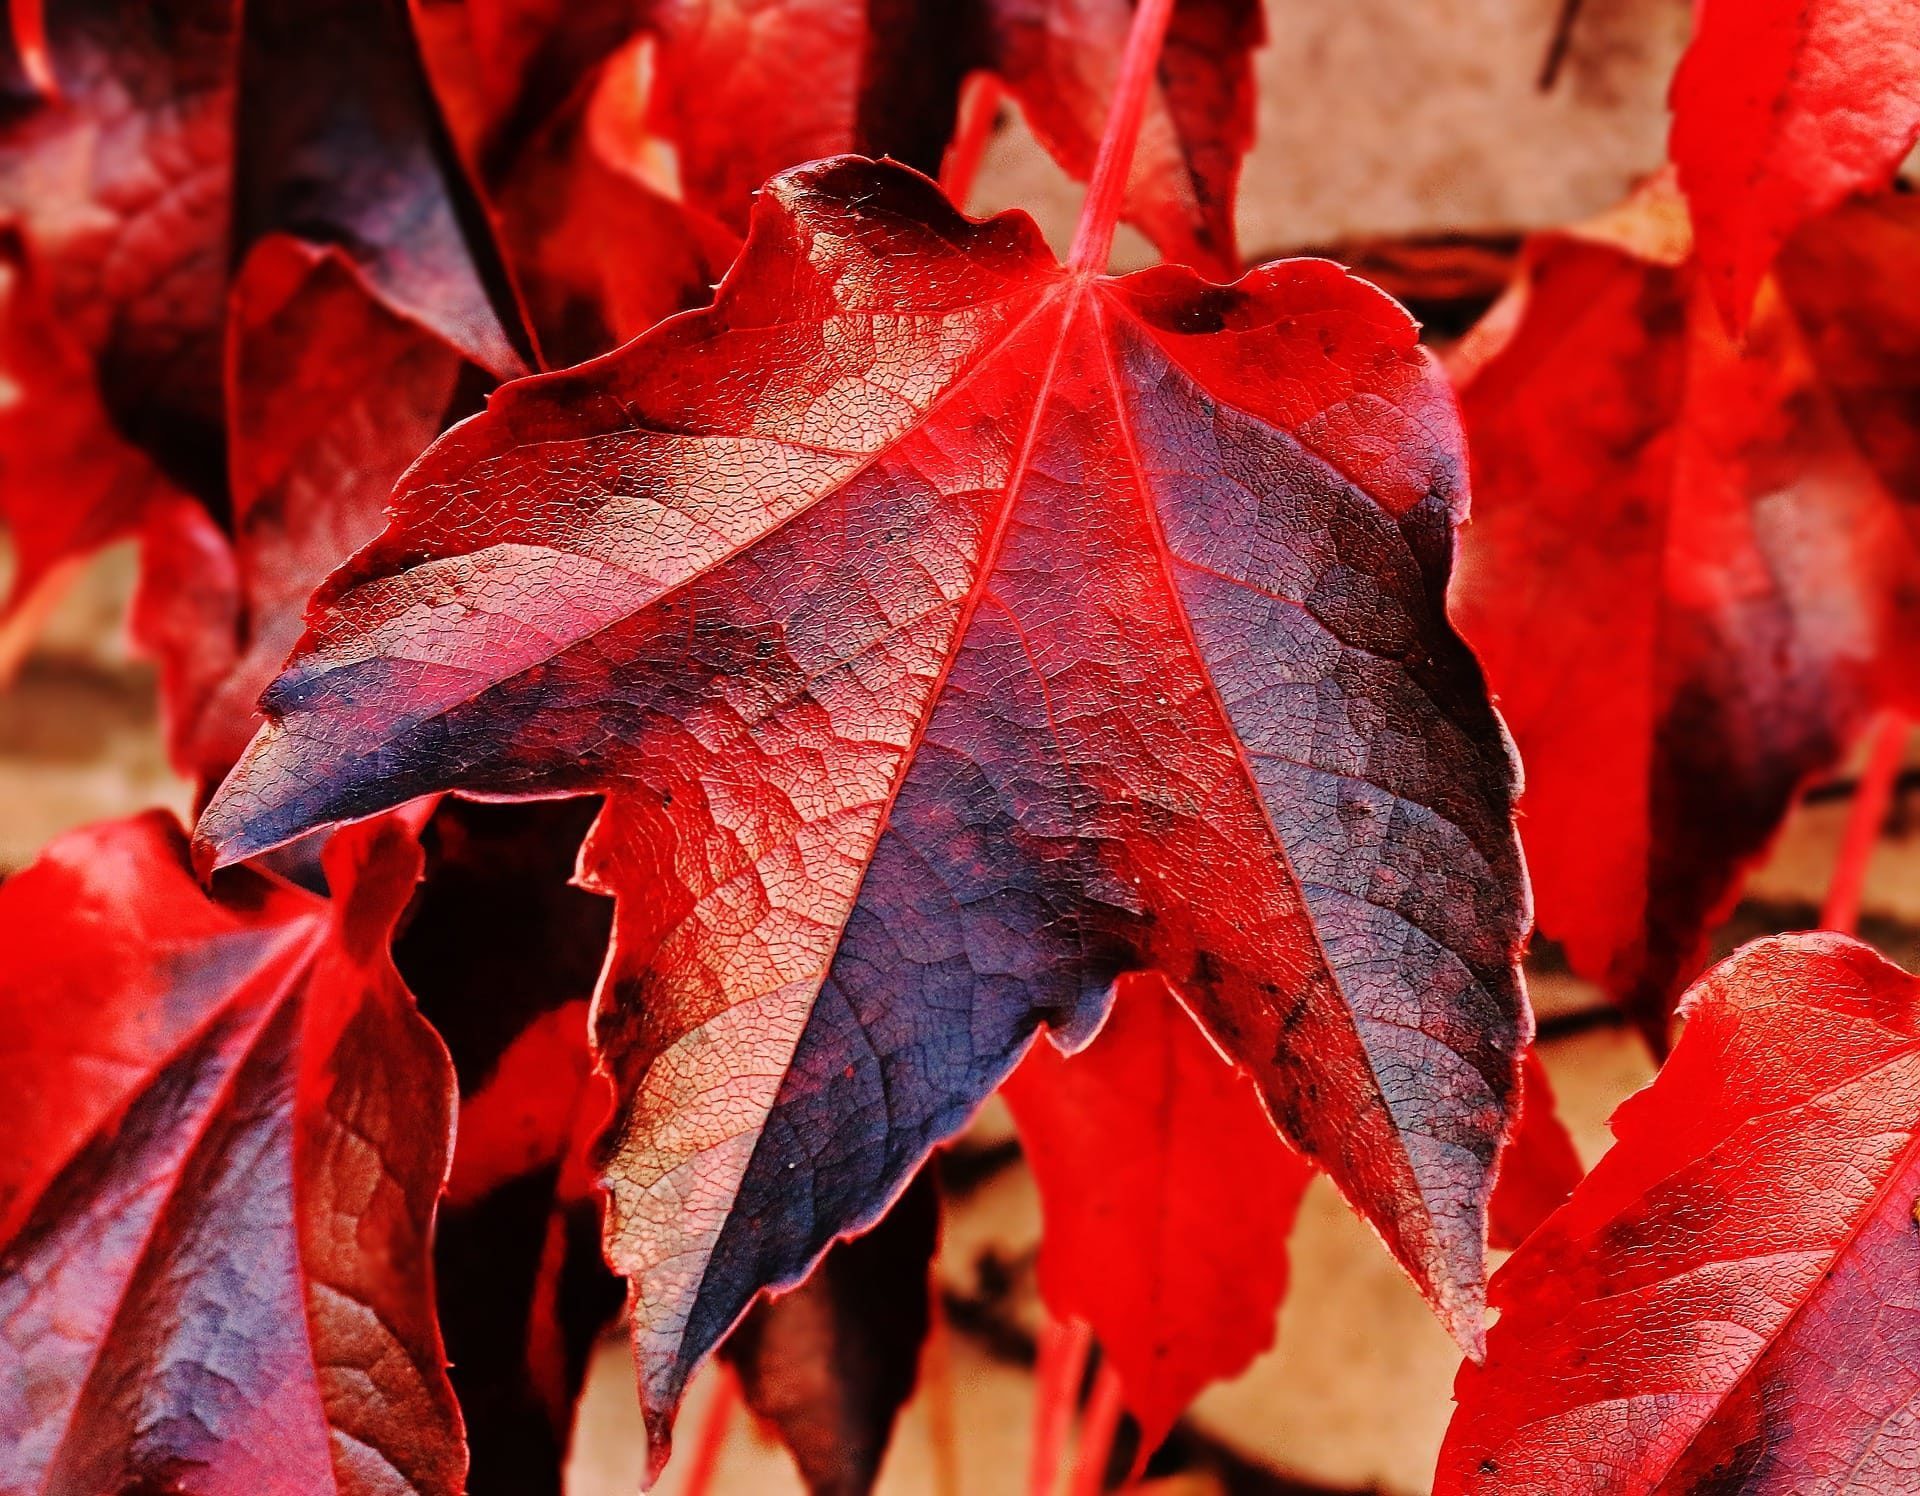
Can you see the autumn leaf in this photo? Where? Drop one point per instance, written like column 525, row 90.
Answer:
column 1783, row 109
column 1691, row 569
column 119, row 188
column 1538, row 1168
column 1166, row 1197
column 828, row 1365
column 954, row 632
column 553, row 105
column 69, row 483
column 342, row 144
column 503, row 68
column 621, row 142
column 503, row 953
column 124, row 196
column 1727, row 1302
column 747, row 90
column 333, row 394
column 198, row 1094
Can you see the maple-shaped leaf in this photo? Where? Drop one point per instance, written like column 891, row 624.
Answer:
column 1538, row 1168
column 1782, row 109
column 828, row 1365
column 746, row 90
column 1167, row 1199
column 1691, row 572
column 1728, row 1302
column 502, row 953
column 333, row 395
column 227, row 1128
column 953, row 632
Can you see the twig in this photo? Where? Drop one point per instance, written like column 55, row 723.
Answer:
column 1558, row 45
column 1868, row 814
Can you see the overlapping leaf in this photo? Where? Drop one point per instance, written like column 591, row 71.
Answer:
column 550, row 103
column 829, row 1365
column 748, row 90
column 1692, row 569
column 131, row 191
column 1167, row 1199
column 953, row 633
column 1782, row 109
column 333, row 395
column 69, row 482
column 503, row 954
column 227, row 1129
column 1729, row 1301
column 1539, row 1167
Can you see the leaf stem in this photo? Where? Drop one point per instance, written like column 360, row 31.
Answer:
column 1093, row 239
column 27, row 20
column 936, row 1377
column 1872, row 795
column 1096, row 1434
column 20, row 628
column 1056, row 1393
column 979, row 109
column 716, row 1422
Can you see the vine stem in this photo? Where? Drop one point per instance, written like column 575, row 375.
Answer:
column 979, row 108
column 1558, row 45
column 20, row 630
column 1096, row 1434
column 1100, row 213
column 1063, row 1362
column 1871, row 798
column 28, row 20
column 716, row 1422
column 936, row 1377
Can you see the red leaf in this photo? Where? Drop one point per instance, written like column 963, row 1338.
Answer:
column 227, row 1128
column 333, row 395
column 1728, row 1301
column 503, row 68
column 503, row 955
column 126, row 203
column 829, row 1365
column 1783, row 109
column 552, row 113
column 954, row 633
column 1538, row 1168
column 1167, row 1198
column 119, row 189
column 68, row 482
column 342, row 143
column 1663, row 523
column 748, row 90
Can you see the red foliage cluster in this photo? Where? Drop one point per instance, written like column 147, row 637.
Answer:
column 913, row 666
